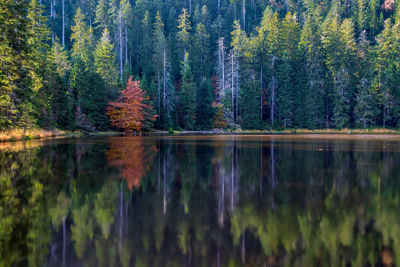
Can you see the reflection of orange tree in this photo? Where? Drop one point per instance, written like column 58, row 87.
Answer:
column 132, row 158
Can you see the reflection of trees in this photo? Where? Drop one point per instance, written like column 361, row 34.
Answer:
column 226, row 176
column 295, row 220
column 314, row 213
column 132, row 158
column 24, row 222
column 104, row 207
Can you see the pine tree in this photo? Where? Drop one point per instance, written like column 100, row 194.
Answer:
column 183, row 35
column 80, row 38
column 125, row 23
column 285, row 92
column 201, row 53
column 146, row 44
column 105, row 62
column 13, row 49
column 384, row 83
column 205, row 112
column 314, row 93
column 340, row 48
column 250, row 104
column 187, row 97
column 364, row 109
column 38, row 37
column 260, row 54
column 58, row 68
column 289, row 35
column 273, row 44
column 239, row 43
column 102, row 17
column 165, row 91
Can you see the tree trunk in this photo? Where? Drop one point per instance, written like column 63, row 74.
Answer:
column 120, row 43
column 126, row 44
column 244, row 14
column 221, row 66
column 272, row 101
column 273, row 87
column 233, row 87
column 63, row 22
column 164, row 78
column 261, row 92
column 159, row 92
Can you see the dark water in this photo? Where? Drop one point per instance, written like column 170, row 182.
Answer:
column 200, row 201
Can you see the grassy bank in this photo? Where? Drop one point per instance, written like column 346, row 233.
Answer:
column 31, row 134
column 20, row 134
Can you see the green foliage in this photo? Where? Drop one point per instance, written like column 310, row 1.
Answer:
column 299, row 64
column 104, row 62
column 187, row 97
column 205, row 111
column 250, row 105
column 80, row 37
column 26, row 118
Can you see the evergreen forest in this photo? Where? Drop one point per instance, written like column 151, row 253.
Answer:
column 200, row 64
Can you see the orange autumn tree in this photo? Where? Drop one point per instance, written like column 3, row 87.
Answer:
column 129, row 111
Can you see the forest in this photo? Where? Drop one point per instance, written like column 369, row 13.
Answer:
column 199, row 64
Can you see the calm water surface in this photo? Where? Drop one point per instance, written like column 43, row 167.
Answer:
column 201, row 201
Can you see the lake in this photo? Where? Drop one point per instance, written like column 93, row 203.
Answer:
column 201, row 201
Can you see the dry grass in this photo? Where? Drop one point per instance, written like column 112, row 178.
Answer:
column 20, row 134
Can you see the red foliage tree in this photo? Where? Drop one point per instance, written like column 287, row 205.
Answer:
column 129, row 111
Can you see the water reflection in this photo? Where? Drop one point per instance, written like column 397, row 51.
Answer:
column 200, row 202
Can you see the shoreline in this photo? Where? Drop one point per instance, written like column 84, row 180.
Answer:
column 377, row 131
column 41, row 134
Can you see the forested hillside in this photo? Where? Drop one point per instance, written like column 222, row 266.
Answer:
column 202, row 64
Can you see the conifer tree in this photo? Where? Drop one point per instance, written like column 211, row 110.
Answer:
column 105, row 62
column 39, row 34
column 187, row 97
column 183, row 35
column 365, row 110
column 146, row 44
column 205, row 112
column 384, row 83
column 13, row 50
column 201, row 53
column 165, row 95
column 80, row 38
column 102, row 17
column 58, row 67
column 314, row 91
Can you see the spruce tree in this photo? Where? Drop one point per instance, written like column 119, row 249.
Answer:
column 187, row 97
column 205, row 112
column 105, row 62
column 183, row 35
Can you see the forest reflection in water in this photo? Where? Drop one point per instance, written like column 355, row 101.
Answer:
column 200, row 201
